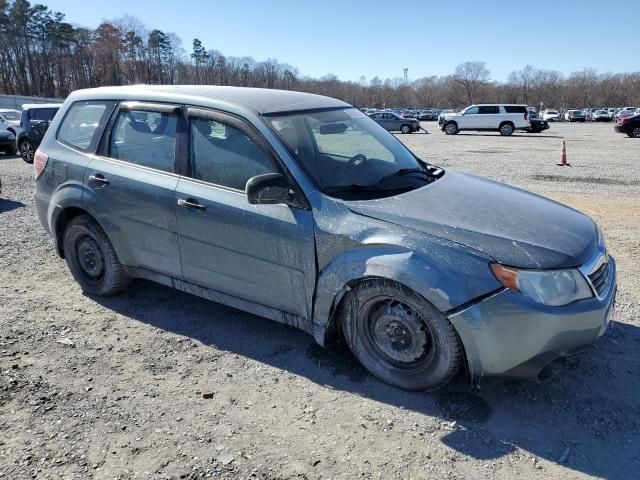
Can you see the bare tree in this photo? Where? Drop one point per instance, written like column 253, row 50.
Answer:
column 471, row 76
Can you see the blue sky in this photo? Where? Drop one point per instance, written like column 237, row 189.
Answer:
column 360, row 37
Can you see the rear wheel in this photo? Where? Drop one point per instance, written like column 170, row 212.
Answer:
column 27, row 151
column 92, row 259
column 400, row 337
column 451, row 128
column 405, row 129
column 506, row 129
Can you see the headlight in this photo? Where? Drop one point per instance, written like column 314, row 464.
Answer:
column 549, row 287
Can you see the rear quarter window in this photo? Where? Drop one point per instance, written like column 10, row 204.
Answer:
column 83, row 123
column 515, row 109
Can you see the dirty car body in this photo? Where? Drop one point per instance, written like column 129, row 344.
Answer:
column 524, row 282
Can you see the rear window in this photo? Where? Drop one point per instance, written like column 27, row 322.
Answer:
column 83, row 122
column 43, row 114
column 515, row 109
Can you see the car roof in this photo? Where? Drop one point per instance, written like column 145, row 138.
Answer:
column 8, row 110
column 31, row 106
column 261, row 100
column 499, row 104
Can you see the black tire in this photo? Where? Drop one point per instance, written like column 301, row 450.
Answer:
column 451, row 128
column 635, row 133
column 506, row 129
column 405, row 129
column 92, row 259
column 27, row 151
column 400, row 337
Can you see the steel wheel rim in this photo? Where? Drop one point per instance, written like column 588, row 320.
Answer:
column 90, row 257
column 397, row 333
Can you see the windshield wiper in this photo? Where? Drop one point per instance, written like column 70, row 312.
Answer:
column 407, row 171
column 357, row 187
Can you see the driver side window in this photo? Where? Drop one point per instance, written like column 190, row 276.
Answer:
column 223, row 155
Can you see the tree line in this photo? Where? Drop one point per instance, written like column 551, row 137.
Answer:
column 44, row 55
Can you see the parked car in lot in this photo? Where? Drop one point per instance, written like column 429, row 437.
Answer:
column 574, row 116
column 9, row 120
column 629, row 125
column 427, row 115
column 500, row 118
column 395, row 123
column 7, row 142
column 286, row 205
column 533, row 113
column 34, row 122
column 551, row 115
column 625, row 112
column 537, row 125
column 601, row 115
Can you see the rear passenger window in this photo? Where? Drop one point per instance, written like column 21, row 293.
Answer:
column 145, row 138
column 492, row 109
column 44, row 114
column 223, row 155
column 83, row 122
column 515, row 109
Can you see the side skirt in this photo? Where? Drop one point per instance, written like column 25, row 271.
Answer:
column 274, row 314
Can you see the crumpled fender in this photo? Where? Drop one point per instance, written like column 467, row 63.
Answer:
column 441, row 281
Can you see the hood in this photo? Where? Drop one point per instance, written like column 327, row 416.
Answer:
column 513, row 226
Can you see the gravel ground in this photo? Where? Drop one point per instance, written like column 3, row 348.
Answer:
column 154, row 383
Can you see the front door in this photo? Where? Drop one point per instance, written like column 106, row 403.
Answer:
column 261, row 253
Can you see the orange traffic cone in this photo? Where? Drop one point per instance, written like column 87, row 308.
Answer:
column 563, row 156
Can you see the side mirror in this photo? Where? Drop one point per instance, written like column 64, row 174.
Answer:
column 268, row 189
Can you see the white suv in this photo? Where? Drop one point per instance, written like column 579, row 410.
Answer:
column 499, row 118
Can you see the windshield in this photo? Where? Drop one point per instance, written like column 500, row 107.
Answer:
column 345, row 151
column 10, row 115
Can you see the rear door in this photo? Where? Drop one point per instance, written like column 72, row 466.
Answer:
column 261, row 253
column 131, row 185
column 489, row 116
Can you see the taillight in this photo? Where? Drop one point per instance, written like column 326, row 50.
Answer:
column 526, row 115
column 40, row 160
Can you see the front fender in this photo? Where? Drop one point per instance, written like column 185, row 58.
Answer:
column 443, row 286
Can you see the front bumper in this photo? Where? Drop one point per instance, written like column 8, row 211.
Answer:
column 510, row 336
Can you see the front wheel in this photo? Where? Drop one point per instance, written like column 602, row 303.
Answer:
column 27, row 151
column 400, row 337
column 451, row 128
column 506, row 129
column 635, row 133
column 92, row 259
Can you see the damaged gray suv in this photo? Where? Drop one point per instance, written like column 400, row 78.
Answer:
column 302, row 209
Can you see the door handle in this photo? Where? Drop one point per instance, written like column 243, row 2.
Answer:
column 190, row 203
column 99, row 180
